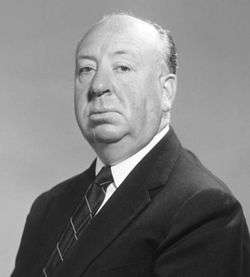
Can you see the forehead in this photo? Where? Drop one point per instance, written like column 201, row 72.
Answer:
column 119, row 36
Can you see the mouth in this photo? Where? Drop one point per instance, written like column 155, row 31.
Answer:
column 102, row 115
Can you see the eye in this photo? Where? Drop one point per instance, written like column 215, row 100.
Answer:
column 85, row 70
column 122, row 68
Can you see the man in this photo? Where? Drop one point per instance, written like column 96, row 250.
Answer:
column 161, row 212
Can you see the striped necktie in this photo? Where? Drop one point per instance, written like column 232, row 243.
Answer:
column 80, row 219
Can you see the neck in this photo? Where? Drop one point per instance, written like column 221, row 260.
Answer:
column 114, row 153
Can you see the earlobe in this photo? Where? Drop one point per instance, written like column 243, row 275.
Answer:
column 169, row 86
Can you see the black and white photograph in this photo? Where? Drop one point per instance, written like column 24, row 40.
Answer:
column 125, row 138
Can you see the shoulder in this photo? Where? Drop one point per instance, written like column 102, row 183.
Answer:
column 202, row 217
column 192, row 191
column 190, row 177
column 65, row 189
column 195, row 196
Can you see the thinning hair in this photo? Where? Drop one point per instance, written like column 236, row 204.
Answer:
column 167, row 47
column 169, row 51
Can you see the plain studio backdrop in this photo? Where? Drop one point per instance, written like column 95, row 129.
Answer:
column 40, row 142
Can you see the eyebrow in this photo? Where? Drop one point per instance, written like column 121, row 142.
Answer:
column 115, row 53
column 87, row 57
column 122, row 52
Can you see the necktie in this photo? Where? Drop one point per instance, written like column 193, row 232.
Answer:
column 79, row 220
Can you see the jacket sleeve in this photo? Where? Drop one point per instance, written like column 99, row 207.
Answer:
column 31, row 238
column 208, row 237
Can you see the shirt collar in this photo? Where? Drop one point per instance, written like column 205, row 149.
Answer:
column 121, row 170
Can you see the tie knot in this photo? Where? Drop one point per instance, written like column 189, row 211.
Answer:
column 104, row 177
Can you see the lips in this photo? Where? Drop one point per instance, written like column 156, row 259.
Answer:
column 102, row 111
column 99, row 112
column 103, row 115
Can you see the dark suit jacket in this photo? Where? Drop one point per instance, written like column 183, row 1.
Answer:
column 170, row 217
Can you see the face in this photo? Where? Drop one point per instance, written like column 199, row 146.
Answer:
column 118, row 92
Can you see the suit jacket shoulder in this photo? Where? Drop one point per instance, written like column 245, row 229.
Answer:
column 170, row 217
column 59, row 200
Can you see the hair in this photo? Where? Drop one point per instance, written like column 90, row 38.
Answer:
column 169, row 51
column 167, row 47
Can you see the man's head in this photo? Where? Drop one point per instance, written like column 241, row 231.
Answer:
column 124, row 85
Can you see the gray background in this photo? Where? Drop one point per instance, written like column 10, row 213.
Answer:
column 40, row 142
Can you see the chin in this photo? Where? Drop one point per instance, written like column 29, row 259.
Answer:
column 107, row 133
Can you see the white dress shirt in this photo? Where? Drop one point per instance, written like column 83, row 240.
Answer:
column 121, row 170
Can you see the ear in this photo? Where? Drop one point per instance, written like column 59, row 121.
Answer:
column 169, row 86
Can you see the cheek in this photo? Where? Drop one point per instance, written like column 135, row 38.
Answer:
column 150, row 100
column 143, row 92
column 133, row 89
column 80, row 97
column 133, row 101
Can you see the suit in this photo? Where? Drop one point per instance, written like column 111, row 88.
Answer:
column 170, row 217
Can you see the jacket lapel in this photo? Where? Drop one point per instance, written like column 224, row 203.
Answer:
column 122, row 207
column 132, row 196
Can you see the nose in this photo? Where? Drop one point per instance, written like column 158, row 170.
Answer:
column 100, row 83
